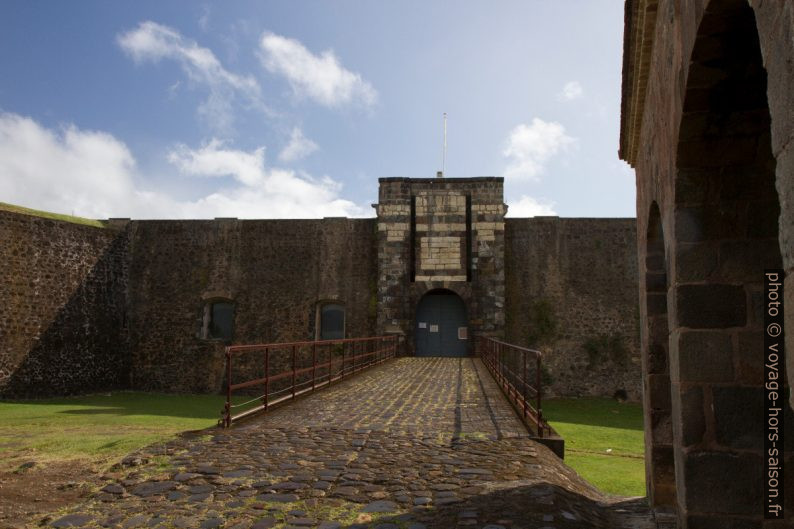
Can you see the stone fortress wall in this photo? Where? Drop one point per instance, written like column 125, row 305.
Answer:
column 568, row 294
column 275, row 271
column 63, row 314
column 91, row 309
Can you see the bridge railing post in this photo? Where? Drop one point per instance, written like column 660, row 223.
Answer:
column 267, row 378
column 227, row 413
column 538, row 380
column 314, row 365
column 525, row 383
column 294, row 355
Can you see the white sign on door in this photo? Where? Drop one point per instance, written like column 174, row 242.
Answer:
column 423, row 325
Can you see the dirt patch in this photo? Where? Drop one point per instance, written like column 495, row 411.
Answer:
column 27, row 494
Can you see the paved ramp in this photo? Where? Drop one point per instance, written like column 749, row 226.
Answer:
column 444, row 399
column 411, row 444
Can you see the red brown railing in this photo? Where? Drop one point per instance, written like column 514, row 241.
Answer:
column 300, row 367
column 517, row 370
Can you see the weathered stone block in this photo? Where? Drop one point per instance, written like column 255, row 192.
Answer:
column 745, row 261
column 656, row 303
column 738, row 417
column 655, row 262
column 750, row 357
column 702, row 470
column 656, row 281
column 658, row 387
column 692, row 420
column 711, row 306
column 696, row 262
column 699, row 224
column 657, row 358
column 663, row 478
column 705, row 356
column 716, row 152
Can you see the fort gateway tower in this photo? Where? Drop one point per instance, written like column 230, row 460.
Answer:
column 441, row 272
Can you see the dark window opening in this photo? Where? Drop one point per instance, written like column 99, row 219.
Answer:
column 220, row 320
column 332, row 322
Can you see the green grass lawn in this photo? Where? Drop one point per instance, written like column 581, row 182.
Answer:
column 97, row 428
column 100, row 429
column 603, row 441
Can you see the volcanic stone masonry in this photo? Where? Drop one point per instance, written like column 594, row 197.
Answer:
column 706, row 121
column 125, row 306
column 63, row 323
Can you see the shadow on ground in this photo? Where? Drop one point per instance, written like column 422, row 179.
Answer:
column 127, row 404
column 517, row 507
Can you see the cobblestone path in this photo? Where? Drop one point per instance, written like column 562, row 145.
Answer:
column 445, row 399
column 412, row 444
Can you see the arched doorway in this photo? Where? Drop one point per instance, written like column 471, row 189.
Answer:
column 441, row 326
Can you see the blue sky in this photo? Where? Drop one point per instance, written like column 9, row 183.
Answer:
column 295, row 108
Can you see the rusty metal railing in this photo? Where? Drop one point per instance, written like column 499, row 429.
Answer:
column 517, row 370
column 300, row 367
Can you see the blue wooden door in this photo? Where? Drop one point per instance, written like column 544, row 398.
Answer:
column 441, row 327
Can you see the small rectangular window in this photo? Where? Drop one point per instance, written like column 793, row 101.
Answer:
column 221, row 322
column 332, row 322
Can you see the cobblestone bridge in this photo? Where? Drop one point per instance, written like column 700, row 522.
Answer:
column 411, row 444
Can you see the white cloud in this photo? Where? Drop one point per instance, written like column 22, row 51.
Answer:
column 75, row 170
column 272, row 193
column 529, row 147
column 154, row 42
column 299, row 147
column 93, row 174
column 318, row 77
column 572, row 90
column 527, row 206
column 213, row 160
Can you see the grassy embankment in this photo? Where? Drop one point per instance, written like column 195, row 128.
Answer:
column 603, row 441
column 55, row 216
column 97, row 429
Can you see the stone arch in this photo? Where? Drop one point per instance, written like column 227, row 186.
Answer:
column 659, row 464
column 726, row 212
